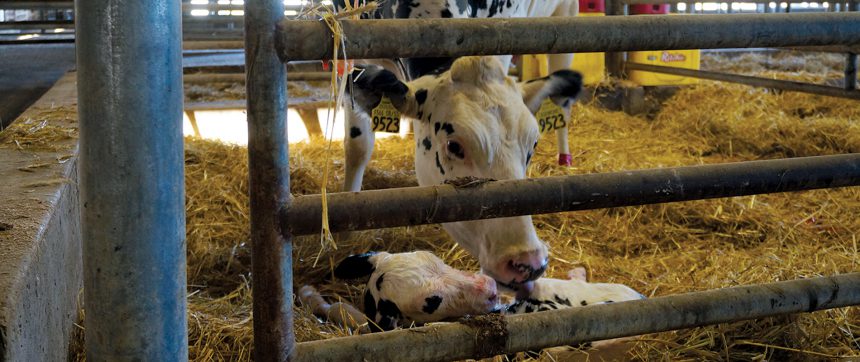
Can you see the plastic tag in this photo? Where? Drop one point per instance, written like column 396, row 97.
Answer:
column 342, row 66
column 385, row 117
column 550, row 117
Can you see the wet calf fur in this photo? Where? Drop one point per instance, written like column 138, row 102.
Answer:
column 403, row 288
column 416, row 287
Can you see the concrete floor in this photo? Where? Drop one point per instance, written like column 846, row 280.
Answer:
column 28, row 71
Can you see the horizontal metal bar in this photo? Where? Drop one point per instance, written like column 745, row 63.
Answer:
column 215, row 7
column 786, row 85
column 36, row 5
column 572, row 326
column 826, row 49
column 38, row 40
column 29, row 25
column 368, row 39
column 445, row 203
column 213, row 44
column 240, row 77
column 213, row 19
column 303, row 103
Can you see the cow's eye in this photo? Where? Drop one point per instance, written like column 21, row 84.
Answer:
column 455, row 149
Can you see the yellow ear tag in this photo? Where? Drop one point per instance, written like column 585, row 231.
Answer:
column 385, row 117
column 550, row 117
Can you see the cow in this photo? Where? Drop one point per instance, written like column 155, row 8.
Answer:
column 472, row 121
column 417, row 287
column 473, row 142
column 359, row 147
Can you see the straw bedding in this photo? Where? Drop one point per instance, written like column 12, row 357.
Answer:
column 658, row 249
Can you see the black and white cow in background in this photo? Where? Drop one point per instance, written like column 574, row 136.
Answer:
column 474, row 121
column 418, row 287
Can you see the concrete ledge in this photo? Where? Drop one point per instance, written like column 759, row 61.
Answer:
column 40, row 236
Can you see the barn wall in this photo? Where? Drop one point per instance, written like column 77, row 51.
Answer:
column 40, row 236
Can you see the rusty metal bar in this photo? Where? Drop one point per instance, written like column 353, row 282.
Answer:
column 269, row 184
column 572, row 326
column 367, row 39
column 446, row 203
column 786, row 85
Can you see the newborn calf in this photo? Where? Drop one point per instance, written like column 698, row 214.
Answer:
column 417, row 287
column 549, row 294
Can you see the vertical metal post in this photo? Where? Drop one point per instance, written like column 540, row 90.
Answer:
column 129, row 61
column 851, row 58
column 268, row 161
column 614, row 60
column 851, row 71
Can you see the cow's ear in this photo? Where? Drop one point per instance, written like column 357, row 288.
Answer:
column 356, row 266
column 562, row 87
column 371, row 83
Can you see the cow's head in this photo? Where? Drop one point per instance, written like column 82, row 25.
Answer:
column 417, row 287
column 474, row 120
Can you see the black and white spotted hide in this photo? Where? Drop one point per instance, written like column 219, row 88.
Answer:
column 474, row 121
column 416, row 288
column 551, row 294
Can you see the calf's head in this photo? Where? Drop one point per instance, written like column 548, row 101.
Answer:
column 473, row 120
column 417, row 287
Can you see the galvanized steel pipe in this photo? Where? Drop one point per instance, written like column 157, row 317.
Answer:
column 368, row 39
column 204, row 78
column 787, row 85
column 269, row 184
column 572, row 326
column 446, row 203
column 129, row 61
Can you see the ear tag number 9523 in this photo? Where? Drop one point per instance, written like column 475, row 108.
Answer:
column 550, row 117
column 385, row 117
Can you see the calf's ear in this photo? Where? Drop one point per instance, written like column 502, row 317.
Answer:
column 562, row 87
column 355, row 266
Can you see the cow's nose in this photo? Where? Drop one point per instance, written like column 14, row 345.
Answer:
column 526, row 267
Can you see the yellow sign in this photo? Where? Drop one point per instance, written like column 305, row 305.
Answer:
column 385, row 117
column 550, row 117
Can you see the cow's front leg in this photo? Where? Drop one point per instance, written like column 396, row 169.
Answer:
column 559, row 62
column 358, row 145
